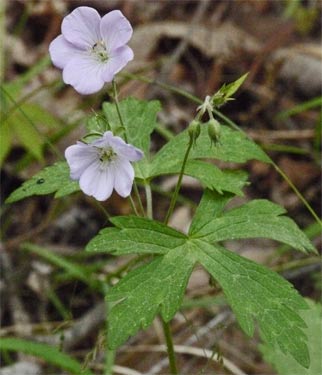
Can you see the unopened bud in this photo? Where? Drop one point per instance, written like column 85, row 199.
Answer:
column 194, row 131
column 214, row 131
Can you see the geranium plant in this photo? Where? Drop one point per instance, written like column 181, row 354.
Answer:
column 115, row 154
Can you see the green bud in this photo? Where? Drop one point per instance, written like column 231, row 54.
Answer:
column 214, row 131
column 194, row 131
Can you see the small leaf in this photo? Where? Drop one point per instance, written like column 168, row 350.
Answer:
column 225, row 93
column 287, row 365
column 52, row 179
column 256, row 219
column 256, row 293
column 49, row 353
column 157, row 287
column 136, row 235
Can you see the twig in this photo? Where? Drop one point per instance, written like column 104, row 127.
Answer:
column 199, row 352
column 79, row 330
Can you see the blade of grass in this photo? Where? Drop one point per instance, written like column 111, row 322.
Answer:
column 49, row 353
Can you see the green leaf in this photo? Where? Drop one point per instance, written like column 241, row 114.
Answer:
column 157, row 287
column 52, row 179
column 256, row 219
column 139, row 117
column 287, row 365
column 211, row 206
column 49, row 353
column 256, row 293
column 136, row 235
column 226, row 92
column 211, row 176
column 234, row 146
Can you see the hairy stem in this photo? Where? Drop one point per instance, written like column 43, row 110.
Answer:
column 148, row 194
column 170, row 347
column 176, row 192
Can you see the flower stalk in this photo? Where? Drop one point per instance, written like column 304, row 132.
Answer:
column 178, row 186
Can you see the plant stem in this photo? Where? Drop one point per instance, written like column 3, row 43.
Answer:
column 136, row 190
column 170, row 347
column 297, row 192
column 148, row 194
column 176, row 192
column 133, row 206
column 229, row 122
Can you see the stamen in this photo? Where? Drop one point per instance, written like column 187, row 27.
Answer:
column 99, row 50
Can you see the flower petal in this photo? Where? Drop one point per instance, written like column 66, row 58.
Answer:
column 79, row 157
column 124, row 176
column 123, row 149
column 61, row 51
column 97, row 181
column 84, row 73
column 116, row 62
column 82, row 27
column 115, row 30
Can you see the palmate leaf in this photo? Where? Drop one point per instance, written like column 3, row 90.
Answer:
column 254, row 292
column 285, row 364
column 52, row 179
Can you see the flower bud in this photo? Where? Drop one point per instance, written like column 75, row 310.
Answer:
column 194, row 131
column 214, row 131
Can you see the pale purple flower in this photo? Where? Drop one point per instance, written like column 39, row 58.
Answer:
column 91, row 49
column 103, row 165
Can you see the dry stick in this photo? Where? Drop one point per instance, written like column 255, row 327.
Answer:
column 202, row 331
column 79, row 330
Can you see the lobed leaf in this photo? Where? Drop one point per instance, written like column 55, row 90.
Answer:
column 211, row 206
column 286, row 364
column 256, row 293
column 136, row 235
column 234, row 146
column 139, row 118
column 157, row 287
column 258, row 218
column 52, row 179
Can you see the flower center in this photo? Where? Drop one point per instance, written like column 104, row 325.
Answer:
column 106, row 154
column 100, row 51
